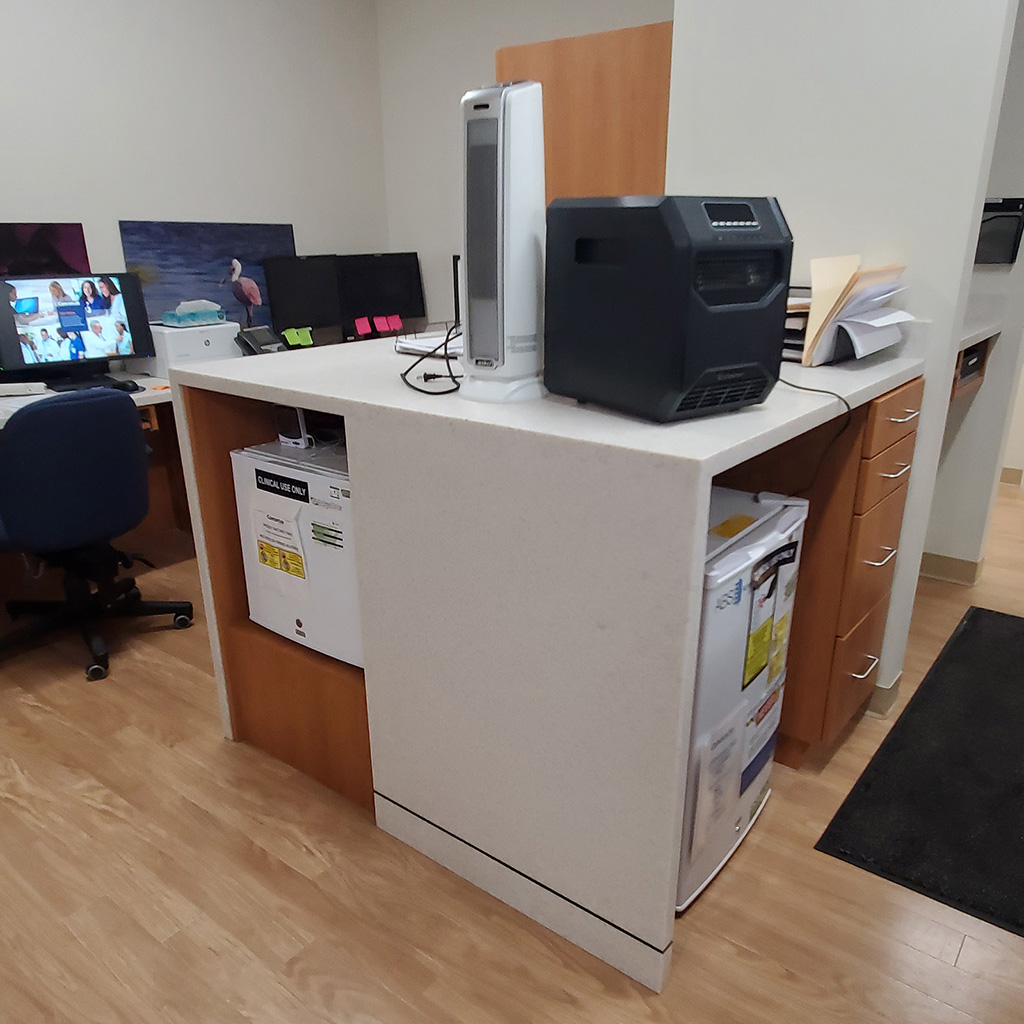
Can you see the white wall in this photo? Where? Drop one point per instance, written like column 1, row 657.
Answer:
column 221, row 110
column 978, row 423
column 1008, row 180
column 1014, row 456
column 432, row 53
column 873, row 123
column 1008, row 156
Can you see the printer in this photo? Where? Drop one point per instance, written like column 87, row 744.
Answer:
column 665, row 307
column 174, row 346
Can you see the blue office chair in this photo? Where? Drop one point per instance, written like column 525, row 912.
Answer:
column 73, row 476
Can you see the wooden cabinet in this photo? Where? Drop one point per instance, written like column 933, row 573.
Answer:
column 883, row 474
column 855, row 477
column 871, row 559
column 855, row 667
column 893, row 416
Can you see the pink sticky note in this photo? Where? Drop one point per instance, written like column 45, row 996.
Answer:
column 395, row 322
column 381, row 323
column 363, row 325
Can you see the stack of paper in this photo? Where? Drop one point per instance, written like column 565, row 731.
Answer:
column 849, row 315
column 798, row 309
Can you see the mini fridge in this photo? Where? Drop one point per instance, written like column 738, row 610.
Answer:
column 750, row 578
column 295, row 523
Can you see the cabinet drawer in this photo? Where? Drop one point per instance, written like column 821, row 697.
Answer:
column 854, row 669
column 871, row 559
column 883, row 474
column 893, row 416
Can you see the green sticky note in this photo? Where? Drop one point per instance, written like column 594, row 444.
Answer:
column 298, row 336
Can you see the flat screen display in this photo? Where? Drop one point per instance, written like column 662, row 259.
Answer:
column 381, row 284
column 335, row 291
column 303, row 292
column 68, row 320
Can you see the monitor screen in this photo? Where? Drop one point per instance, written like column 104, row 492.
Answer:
column 381, row 284
column 66, row 320
column 302, row 292
column 1002, row 224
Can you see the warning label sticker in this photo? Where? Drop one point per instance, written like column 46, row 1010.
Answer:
column 758, row 643
column 278, row 543
column 292, row 563
column 270, row 555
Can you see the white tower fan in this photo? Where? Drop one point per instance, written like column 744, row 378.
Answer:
column 504, row 243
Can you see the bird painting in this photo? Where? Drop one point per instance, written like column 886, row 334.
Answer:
column 245, row 290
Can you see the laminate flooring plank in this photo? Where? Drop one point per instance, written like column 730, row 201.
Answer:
column 151, row 870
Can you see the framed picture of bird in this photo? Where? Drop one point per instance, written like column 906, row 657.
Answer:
column 179, row 261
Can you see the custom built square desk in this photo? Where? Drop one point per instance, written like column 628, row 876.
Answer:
column 156, row 391
column 530, row 580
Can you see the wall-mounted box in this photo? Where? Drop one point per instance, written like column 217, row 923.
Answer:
column 970, row 368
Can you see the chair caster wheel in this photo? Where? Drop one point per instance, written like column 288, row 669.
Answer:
column 182, row 621
column 95, row 672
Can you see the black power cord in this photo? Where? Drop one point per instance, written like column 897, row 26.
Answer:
column 835, row 437
column 435, row 376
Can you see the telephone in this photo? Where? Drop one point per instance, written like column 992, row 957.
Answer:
column 254, row 340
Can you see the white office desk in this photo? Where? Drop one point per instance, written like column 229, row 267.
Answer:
column 157, row 391
column 530, row 581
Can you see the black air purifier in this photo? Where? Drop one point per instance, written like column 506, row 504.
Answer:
column 665, row 307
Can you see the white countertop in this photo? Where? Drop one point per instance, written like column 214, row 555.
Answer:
column 530, row 586
column 333, row 378
column 155, row 391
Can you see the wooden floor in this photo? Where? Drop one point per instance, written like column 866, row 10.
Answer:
column 152, row 871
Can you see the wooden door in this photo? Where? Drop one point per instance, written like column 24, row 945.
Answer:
column 605, row 108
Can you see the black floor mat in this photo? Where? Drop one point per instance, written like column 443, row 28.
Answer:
column 940, row 808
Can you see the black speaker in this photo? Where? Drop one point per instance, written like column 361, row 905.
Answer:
column 665, row 307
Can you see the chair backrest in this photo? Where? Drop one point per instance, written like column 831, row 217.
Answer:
column 73, row 471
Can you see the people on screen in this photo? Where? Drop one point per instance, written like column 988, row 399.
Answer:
column 114, row 299
column 76, row 347
column 59, row 349
column 28, row 350
column 92, row 300
column 82, row 318
column 123, row 340
column 46, row 348
column 60, row 297
column 12, row 298
column 96, row 345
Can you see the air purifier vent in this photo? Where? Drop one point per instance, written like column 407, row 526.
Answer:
column 711, row 392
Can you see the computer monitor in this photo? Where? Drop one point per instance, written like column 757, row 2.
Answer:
column 62, row 326
column 333, row 291
column 303, row 292
column 380, row 284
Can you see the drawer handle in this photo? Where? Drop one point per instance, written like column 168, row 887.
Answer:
column 888, row 557
column 914, row 413
column 864, row 675
column 896, row 476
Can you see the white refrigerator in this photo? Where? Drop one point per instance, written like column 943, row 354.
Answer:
column 750, row 581
column 295, row 525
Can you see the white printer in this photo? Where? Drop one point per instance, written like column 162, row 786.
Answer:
column 176, row 345
column 295, row 522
